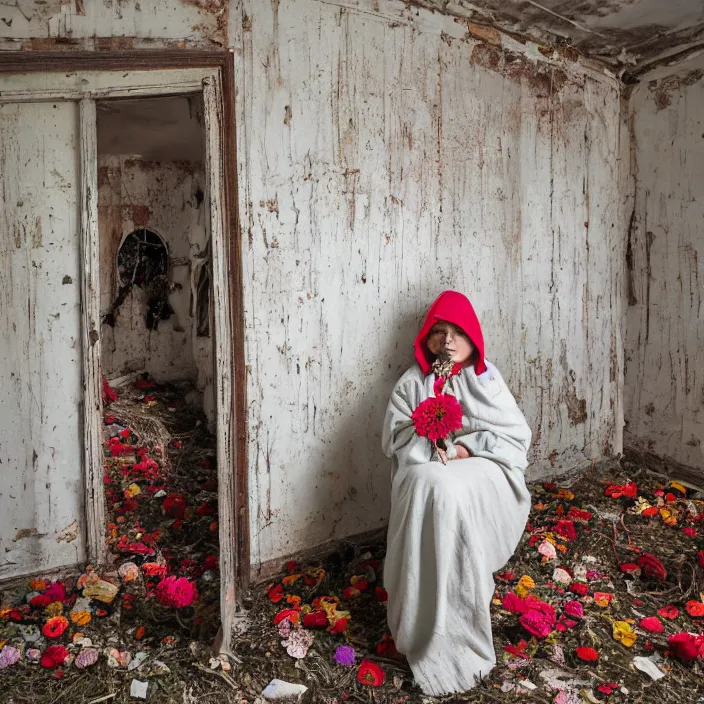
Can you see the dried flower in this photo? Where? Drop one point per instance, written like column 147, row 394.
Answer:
column 56, row 592
column 670, row 612
column 695, row 608
column 86, row 658
column 344, row 655
column 298, row 642
column 8, row 656
column 651, row 624
column 381, row 594
column 154, row 569
column 686, row 646
column 276, row 593
column 315, row 619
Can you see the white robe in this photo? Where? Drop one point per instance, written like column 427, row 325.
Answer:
column 452, row 526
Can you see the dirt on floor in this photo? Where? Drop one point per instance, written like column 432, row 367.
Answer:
column 602, row 602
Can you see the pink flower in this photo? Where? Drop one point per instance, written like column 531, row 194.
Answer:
column 56, row 592
column 685, row 645
column 537, row 623
column 574, row 609
column 652, row 624
column 176, row 592
column 513, row 603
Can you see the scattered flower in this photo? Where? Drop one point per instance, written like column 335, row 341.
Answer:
column 587, row 654
column 176, row 592
column 651, row 624
column 8, row 656
column 53, row 656
column 55, row 627
column 370, row 673
column 298, row 642
column 670, row 612
column 345, row 655
column 695, row 608
column 623, row 633
column 86, row 658
column 652, row 567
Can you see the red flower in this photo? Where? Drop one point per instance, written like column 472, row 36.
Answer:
column 578, row 514
column 615, row 491
column 700, row 558
column 291, row 614
column 175, row 506
column 176, row 592
column 211, row 562
column 566, row 529
column 206, row 510
column 315, row 619
column 351, row 593
column 381, row 594
column 652, row 624
column 652, row 567
column 276, row 594
column 691, row 532
column 41, row 601
column 109, row 394
column 695, row 608
column 55, row 627
column 538, row 623
column 518, row 650
column 387, row 648
column 630, row 568
column 587, row 654
column 670, row 612
column 56, row 592
column 54, row 656
column 685, row 646
column 370, row 673
column 579, row 588
column 513, row 603
column 154, row 569
column 437, row 416
column 292, row 567
column 340, row 626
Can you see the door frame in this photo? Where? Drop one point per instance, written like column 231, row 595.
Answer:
column 219, row 89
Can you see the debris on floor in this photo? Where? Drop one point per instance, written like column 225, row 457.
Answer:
column 602, row 602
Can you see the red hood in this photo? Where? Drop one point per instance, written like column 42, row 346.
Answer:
column 455, row 308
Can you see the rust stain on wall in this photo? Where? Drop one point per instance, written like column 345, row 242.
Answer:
column 664, row 88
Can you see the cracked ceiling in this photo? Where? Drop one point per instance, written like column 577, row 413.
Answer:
column 625, row 35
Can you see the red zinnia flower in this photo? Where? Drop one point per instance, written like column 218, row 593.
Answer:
column 339, row 626
column 41, row 601
column 691, row 532
column 579, row 588
column 56, row 592
column 381, row 594
column 670, row 612
column 370, row 673
column 566, row 529
column 109, row 394
column 437, row 416
column 55, row 627
column 154, row 569
column 211, row 562
column 288, row 614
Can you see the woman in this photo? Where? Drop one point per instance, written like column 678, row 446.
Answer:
column 452, row 525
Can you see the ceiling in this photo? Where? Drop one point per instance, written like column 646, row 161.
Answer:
column 151, row 129
column 624, row 34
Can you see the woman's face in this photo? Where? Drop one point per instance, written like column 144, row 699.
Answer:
column 451, row 338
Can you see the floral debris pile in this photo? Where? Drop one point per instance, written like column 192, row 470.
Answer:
column 162, row 585
column 602, row 602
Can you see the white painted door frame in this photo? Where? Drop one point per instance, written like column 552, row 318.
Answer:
column 85, row 87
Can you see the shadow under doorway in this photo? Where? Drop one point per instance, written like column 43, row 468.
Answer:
column 156, row 312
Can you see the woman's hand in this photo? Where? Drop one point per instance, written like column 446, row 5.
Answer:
column 462, row 452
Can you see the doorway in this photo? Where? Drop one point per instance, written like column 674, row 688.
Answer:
column 94, row 90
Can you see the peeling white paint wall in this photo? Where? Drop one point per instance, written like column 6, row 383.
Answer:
column 386, row 153
column 665, row 319
column 383, row 159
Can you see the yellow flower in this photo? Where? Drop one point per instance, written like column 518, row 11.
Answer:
column 624, row 633
column 565, row 494
column 525, row 584
column 668, row 517
column 81, row 618
column 132, row 490
column 56, row 608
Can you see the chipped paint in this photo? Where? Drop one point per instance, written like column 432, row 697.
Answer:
column 664, row 350
column 436, row 159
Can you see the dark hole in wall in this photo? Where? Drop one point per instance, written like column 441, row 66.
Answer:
column 143, row 261
column 203, row 302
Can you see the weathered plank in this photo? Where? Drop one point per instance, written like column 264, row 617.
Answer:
column 41, row 441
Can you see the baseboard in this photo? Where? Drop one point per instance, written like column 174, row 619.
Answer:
column 266, row 570
column 691, row 476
